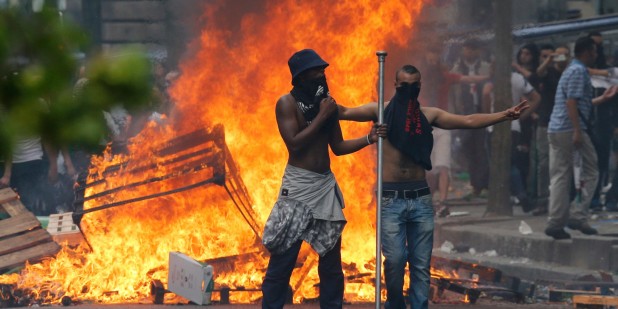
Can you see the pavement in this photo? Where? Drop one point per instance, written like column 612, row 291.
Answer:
column 517, row 245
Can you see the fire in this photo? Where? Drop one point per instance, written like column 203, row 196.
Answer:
column 234, row 79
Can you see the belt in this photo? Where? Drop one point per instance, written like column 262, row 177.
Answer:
column 406, row 194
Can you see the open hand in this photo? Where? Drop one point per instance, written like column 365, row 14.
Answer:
column 515, row 111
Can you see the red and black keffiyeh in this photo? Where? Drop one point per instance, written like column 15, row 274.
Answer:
column 408, row 128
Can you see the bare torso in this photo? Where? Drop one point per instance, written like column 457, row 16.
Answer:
column 314, row 155
column 397, row 166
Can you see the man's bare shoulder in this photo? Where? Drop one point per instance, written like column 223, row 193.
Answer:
column 286, row 100
column 431, row 113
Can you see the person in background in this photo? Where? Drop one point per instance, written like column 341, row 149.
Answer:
column 467, row 100
column 521, row 89
column 602, row 118
column 567, row 134
column 547, row 75
column 527, row 62
column 24, row 171
column 438, row 81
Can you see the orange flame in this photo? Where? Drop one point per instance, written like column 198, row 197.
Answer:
column 235, row 78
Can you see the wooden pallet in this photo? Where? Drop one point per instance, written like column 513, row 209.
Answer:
column 595, row 301
column 21, row 236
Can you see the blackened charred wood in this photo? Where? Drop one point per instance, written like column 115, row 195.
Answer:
column 193, row 167
column 239, row 194
column 484, row 273
column 175, row 145
column 109, row 171
column 191, row 140
column 212, row 180
column 227, row 264
column 472, row 293
column 157, row 291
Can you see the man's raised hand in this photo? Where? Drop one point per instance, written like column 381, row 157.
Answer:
column 328, row 106
column 515, row 111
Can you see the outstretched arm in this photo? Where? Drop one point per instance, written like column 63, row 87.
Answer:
column 446, row 120
column 599, row 72
column 367, row 112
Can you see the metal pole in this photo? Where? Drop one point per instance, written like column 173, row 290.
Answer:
column 381, row 57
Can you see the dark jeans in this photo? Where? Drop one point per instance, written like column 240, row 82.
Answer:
column 603, row 130
column 407, row 238
column 280, row 267
column 27, row 178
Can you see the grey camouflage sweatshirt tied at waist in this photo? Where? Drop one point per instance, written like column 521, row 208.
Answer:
column 309, row 207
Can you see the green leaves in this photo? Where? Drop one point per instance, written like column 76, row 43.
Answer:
column 38, row 70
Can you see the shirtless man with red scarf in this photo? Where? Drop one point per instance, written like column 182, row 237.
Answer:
column 407, row 212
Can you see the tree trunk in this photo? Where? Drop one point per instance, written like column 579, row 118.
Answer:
column 500, row 162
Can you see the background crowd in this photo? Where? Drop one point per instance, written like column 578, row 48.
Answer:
column 459, row 80
column 44, row 175
column 536, row 72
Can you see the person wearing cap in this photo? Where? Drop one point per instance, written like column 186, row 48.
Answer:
column 407, row 211
column 309, row 205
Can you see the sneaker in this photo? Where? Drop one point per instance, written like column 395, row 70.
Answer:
column 557, row 233
column 526, row 205
column 583, row 227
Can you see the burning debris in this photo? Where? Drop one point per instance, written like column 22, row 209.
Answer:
column 177, row 190
column 471, row 281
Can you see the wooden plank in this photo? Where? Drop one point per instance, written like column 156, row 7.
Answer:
column 20, row 223
column 605, row 300
column 23, row 241
column 32, row 255
column 7, row 194
column 14, row 207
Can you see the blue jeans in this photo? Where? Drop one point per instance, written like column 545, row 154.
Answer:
column 280, row 267
column 407, row 236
